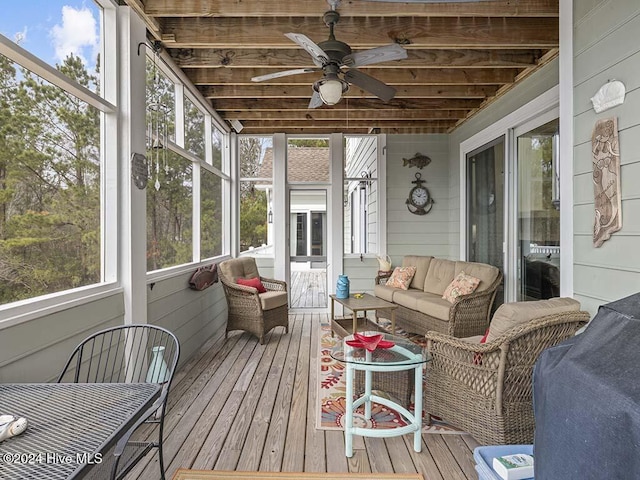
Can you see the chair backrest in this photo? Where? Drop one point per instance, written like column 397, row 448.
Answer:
column 244, row 267
column 124, row 354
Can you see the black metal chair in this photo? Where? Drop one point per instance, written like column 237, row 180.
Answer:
column 128, row 354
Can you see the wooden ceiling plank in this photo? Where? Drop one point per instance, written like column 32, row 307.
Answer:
column 277, row 104
column 398, row 76
column 342, row 115
column 278, row 125
column 298, row 58
column 441, row 92
column 265, row 8
column 366, row 32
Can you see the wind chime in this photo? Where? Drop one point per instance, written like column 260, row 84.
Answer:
column 157, row 124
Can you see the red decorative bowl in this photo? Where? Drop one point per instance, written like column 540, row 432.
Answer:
column 369, row 342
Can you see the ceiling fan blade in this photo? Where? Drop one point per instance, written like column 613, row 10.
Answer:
column 316, row 101
column 320, row 58
column 375, row 55
column 380, row 89
column 285, row 73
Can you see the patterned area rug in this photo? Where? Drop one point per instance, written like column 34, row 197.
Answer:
column 332, row 389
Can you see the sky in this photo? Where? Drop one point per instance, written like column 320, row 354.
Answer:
column 52, row 29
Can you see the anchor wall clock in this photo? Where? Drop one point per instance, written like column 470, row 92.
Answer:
column 419, row 201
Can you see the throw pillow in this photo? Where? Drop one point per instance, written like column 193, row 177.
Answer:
column 463, row 284
column 252, row 282
column 401, row 277
column 477, row 357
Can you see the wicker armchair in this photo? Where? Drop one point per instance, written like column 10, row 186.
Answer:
column 486, row 389
column 248, row 310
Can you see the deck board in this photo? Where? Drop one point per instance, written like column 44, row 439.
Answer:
column 239, row 405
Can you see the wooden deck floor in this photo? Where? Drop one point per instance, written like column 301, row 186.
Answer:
column 239, row 405
column 308, row 289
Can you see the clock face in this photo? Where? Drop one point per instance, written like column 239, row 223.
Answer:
column 419, row 196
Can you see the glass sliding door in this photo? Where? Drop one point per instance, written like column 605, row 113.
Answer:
column 485, row 206
column 538, row 213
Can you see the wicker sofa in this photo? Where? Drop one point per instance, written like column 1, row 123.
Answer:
column 486, row 388
column 421, row 308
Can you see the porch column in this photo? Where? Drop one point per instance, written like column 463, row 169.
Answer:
column 133, row 201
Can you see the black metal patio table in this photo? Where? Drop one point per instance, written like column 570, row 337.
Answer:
column 71, row 425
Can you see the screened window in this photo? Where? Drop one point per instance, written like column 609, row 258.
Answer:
column 50, row 152
column 256, row 194
column 193, row 129
column 361, row 195
column 211, row 208
column 170, row 212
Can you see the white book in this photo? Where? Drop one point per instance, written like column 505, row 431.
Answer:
column 514, row 467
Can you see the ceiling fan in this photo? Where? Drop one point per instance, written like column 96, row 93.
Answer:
column 339, row 65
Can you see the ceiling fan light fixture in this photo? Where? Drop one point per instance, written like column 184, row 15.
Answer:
column 330, row 88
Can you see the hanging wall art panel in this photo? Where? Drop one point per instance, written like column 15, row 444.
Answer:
column 606, row 180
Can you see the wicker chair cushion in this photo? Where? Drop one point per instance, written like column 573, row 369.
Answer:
column 439, row 276
column 510, row 315
column 486, row 273
column 434, row 306
column 422, row 267
column 240, row 267
column 272, row 299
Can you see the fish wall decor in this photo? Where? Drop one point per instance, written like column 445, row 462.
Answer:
column 418, row 160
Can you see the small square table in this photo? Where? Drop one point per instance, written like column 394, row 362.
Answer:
column 363, row 304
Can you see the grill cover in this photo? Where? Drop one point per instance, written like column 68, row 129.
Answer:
column 586, row 398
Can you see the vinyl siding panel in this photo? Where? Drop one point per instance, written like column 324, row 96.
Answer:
column 36, row 350
column 606, row 48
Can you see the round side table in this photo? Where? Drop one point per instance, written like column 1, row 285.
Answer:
column 403, row 355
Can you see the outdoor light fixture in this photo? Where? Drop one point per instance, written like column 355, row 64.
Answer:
column 270, row 216
column 330, row 88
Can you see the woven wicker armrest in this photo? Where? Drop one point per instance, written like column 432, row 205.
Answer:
column 382, row 277
column 273, row 284
column 469, row 314
column 436, row 340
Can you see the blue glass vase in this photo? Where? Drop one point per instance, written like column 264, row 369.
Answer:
column 342, row 287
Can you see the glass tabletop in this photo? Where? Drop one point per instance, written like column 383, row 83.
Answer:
column 400, row 351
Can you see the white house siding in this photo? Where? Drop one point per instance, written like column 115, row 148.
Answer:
column 409, row 234
column 36, row 350
column 191, row 315
column 605, row 48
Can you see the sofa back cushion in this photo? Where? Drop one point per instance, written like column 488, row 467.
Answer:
column 422, row 266
column 486, row 273
column 441, row 273
column 510, row 315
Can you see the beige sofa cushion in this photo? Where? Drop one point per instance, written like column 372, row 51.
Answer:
column 384, row 292
column 510, row 315
column 486, row 273
column 441, row 273
column 273, row 299
column 422, row 266
column 408, row 298
column 434, row 306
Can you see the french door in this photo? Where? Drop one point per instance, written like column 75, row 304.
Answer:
column 513, row 209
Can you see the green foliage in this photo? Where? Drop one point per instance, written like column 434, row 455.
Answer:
column 253, row 215
column 49, row 184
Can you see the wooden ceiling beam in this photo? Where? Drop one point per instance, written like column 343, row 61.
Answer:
column 342, row 115
column 277, row 104
column 298, row 58
column 441, row 92
column 503, row 32
column 279, row 125
column 266, row 8
column 398, row 76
